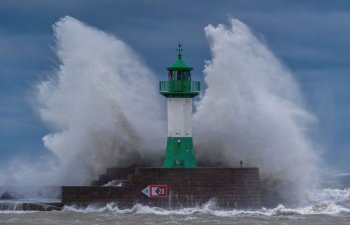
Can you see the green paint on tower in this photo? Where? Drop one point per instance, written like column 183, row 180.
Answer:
column 179, row 153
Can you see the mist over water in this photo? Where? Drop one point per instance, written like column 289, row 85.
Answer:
column 253, row 111
column 103, row 108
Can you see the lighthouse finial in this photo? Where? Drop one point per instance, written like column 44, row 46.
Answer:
column 179, row 51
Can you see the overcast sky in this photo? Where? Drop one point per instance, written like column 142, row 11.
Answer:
column 310, row 37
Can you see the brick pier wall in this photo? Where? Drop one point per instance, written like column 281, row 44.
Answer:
column 228, row 187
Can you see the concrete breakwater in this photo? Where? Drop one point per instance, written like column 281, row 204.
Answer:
column 237, row 188
column 171, row 188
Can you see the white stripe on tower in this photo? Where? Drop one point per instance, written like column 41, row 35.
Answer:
column 179, row 117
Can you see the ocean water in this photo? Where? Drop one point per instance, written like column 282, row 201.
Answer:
column 316, row 214
column 326, row 206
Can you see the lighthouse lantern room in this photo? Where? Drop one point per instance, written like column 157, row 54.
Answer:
column 179, row 90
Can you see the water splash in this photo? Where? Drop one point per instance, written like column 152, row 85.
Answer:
column 253, row 111
column 102, row 103
column 330, row 196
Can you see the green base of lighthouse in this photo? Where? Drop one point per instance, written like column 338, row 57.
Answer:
column 179, row 153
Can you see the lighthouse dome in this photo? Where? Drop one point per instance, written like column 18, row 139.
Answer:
column 179, row 64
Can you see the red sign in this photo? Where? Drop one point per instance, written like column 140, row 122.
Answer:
column 156, row 191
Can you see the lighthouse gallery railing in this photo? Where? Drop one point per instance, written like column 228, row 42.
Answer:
column 165, row 86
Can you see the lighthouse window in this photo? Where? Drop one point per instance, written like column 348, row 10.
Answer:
column 186, row 75
column 179, row 75
column 172, row 75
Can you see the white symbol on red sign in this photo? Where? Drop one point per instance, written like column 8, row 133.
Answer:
column 156, row 191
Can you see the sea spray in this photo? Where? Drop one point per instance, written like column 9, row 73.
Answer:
column 252, row 110
column 102, row 103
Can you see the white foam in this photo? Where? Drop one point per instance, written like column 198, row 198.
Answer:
column 323, row 202
column 329, row 196
column 209, row 208
column 114, row 183
column 13, row 207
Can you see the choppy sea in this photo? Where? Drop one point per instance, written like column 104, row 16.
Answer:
column 328, row 206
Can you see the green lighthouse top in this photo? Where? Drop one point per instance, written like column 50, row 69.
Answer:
column 179, row 83
column 179, row 64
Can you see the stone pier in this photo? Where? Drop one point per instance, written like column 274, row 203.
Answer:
column 171, row 188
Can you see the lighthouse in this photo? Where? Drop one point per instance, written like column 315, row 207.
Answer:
column 179, row 90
